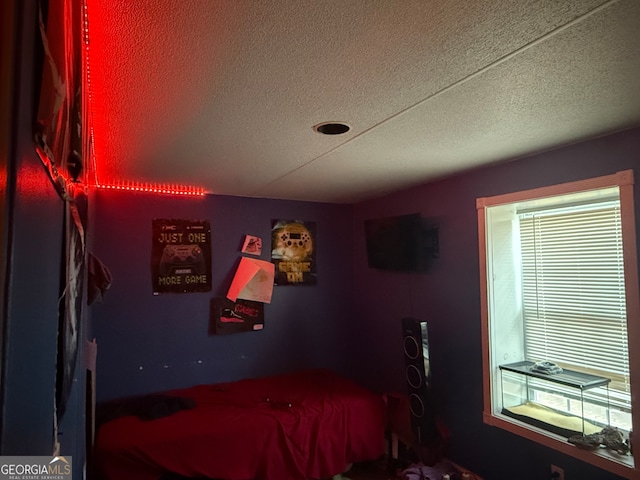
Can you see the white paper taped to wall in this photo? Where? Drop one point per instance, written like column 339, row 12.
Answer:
column 253, row 281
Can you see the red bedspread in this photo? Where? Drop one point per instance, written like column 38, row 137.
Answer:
column 304, row 425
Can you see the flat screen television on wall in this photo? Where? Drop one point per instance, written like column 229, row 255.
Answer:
column 400, row 243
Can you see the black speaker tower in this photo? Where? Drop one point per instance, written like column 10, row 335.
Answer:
column 415, row 343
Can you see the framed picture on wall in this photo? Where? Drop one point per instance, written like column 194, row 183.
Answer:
column 293, row 252
column 180, row 256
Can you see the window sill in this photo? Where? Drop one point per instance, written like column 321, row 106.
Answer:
column 619, row 465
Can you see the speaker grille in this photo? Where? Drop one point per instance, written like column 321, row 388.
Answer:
column 414, row 376
column 411, row 348
column 416, row 405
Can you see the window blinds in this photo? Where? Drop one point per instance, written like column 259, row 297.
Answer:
column 573, row 291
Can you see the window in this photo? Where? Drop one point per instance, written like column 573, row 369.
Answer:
column 559, row 284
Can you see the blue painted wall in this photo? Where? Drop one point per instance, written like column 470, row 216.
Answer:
column 32, row 316
column 448, row 297
column 150, row 343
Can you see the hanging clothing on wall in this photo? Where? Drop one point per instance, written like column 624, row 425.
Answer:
column 72, row 299
column 99, row 279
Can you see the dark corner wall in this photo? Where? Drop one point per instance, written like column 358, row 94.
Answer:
column 32, row 237
column 150, row 343
column 448, row 297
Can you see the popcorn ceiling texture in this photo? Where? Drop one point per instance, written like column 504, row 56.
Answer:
column 224, row 94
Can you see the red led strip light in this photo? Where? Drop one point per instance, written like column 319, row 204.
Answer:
column 162, row 189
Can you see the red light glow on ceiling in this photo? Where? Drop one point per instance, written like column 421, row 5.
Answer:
column 102, row 176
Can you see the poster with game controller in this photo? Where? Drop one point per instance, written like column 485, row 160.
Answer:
column 180, row 256
column 293, row 252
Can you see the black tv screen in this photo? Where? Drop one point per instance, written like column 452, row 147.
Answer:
column 396, row 243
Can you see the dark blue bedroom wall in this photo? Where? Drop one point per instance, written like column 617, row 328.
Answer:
column 448, row 297
column 150, row 343
column 32, row 313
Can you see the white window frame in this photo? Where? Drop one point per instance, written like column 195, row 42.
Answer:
column 623, row 466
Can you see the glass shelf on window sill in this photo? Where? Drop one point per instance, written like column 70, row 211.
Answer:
column 570, row 378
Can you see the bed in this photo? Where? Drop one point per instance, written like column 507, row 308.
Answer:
column 304, row 425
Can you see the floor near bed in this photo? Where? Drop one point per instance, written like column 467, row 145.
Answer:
column 363, row 471
column 382, row 470
column 378, row 470
column 374, row 470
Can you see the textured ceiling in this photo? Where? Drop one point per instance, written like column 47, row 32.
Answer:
column 223, row 95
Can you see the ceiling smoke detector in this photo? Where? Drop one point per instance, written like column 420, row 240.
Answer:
column 332, row 128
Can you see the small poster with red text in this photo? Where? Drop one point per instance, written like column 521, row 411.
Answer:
column 180, row 256
column 236, row 317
